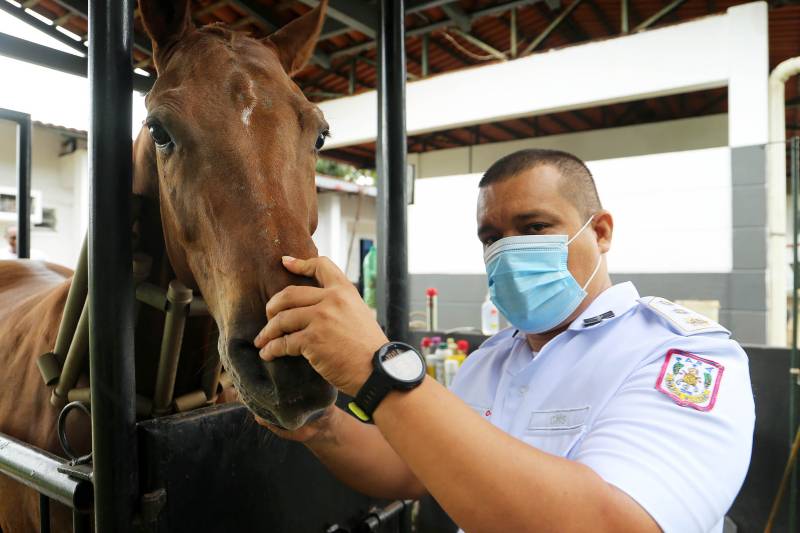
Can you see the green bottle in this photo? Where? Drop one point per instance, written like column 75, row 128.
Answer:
column 370, row 267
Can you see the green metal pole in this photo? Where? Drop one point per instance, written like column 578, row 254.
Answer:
column 351, row 89
column 624, row 22
column 425, row 45
column 179, row 298
column 794, row 154
column 513, row 32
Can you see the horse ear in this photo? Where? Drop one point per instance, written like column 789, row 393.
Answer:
column 295, row 42
column 166, row 22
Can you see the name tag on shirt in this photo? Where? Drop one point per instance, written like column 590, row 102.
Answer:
column 558, row 419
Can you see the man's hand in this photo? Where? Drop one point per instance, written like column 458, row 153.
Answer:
column 329, row 325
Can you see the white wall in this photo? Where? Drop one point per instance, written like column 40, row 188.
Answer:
column 63, row 182
column 715, row 51
column 672, row 211
column 672, row 214
column 442, row 227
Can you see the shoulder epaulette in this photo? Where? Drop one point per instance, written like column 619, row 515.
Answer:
column 682, row 320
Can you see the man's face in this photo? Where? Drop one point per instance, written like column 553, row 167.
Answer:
column 531, row 203
column 11, row 236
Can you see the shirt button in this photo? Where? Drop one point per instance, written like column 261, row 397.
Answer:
column 523, row 390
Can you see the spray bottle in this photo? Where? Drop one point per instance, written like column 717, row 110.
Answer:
column 490, row 318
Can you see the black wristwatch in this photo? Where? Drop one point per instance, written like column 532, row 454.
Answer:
column 395, row 366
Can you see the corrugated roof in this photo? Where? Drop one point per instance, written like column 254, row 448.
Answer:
column 69, row 131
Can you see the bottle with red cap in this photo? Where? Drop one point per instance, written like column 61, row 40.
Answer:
column 460, row 351
column 432, row 308
column 426, row 345
column 463, row 347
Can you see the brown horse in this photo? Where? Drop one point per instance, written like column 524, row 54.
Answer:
column 227, row 158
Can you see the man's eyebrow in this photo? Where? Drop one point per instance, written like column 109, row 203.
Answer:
column 484, row 229
column 532, row 214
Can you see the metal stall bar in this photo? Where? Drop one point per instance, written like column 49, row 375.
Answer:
column 39, row 470
column 23, row 121
column 111, row 292
column 393, row 303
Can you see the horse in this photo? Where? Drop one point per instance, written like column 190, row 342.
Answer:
column 225, row 163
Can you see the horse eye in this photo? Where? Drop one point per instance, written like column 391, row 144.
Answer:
column 321, row 140
column 159, row 134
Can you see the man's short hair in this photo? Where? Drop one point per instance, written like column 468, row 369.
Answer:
column 576, row 184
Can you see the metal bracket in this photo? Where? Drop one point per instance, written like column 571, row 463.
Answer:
column 380, row 516
column 82, row 471
column 795, row 372
column 62, row 433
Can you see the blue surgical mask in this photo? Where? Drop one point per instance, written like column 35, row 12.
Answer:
column 529, row 282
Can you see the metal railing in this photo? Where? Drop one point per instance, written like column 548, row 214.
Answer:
column 114, row 471
column 47, row 474
column 111, row 481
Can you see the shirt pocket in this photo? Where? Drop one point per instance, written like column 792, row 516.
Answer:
column 556, row 431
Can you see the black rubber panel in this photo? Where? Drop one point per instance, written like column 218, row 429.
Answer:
column 223, row 472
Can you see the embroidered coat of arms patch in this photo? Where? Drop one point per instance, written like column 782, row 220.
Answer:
column 689, row 380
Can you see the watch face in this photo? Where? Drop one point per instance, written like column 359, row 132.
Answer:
column 403, row 365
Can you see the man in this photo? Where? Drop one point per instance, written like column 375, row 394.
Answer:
column 11, row 238
column 11, row 251
column 598, row 411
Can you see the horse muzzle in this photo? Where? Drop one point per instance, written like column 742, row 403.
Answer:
column 286, row 392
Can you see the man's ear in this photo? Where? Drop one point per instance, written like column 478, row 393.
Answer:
column 603, row 226
column 295, row 42
column 166, row 22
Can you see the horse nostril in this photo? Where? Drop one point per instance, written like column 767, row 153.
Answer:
column 244, row 355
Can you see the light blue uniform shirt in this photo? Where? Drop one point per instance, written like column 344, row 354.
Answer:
column 655, row 399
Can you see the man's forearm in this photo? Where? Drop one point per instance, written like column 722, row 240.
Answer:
column 359, row 456
column 487, row 480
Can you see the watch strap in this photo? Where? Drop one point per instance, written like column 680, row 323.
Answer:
column 370, row 395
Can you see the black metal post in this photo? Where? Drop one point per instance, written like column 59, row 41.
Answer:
column 23, row 121
column 81, row 522
column 111, row 292
column 392, row 186
column 44, row 514
column 24, row 188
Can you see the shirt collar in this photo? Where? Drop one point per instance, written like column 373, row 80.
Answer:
column 617, row 299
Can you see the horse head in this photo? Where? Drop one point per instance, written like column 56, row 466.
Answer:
column 229, row 149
